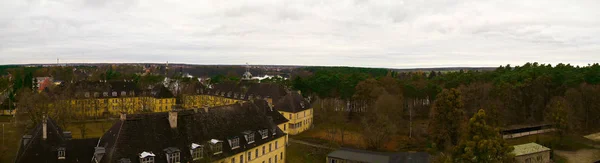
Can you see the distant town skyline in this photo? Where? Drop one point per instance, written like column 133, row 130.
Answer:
column 361, row 33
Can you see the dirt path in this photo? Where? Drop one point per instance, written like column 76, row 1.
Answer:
column 309, row 144
column 582, row 155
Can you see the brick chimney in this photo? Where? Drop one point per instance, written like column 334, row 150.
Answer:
column 44, row 128
column 123, row 116
column 173, row 119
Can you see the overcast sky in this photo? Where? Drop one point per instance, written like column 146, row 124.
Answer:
column 395, row 33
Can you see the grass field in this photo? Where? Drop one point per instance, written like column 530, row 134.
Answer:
column 299, row 153
column 92, row 129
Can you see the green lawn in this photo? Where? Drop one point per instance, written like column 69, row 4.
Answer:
column 299, row 153
column 92, row 129
column 12, row 138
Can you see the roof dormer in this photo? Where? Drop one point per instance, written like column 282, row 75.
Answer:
column 216, row 146
column 146, row 157
column 249, row 135
column 264, row 133
column 234, row 142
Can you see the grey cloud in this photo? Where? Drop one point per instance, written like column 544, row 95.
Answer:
column 378, row 33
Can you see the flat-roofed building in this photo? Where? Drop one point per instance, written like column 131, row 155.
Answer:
column 346, row 155
column 531, row 153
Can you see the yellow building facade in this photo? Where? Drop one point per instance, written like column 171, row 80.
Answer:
column 273, row 152
column 298, row 122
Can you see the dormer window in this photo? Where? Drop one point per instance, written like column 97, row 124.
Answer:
column 273, row 131
column 222, row 93
column 87, row 94
column 172, row 154
column 228, row 94
column 105, row 94
column 123, row 93
column 146, row 157
column 249, row 135
column 242, row 96
column 264, row 133
column 258, row 97
column 96, row 94
column 131, row 93
column 197, row 151
column 217, row 93
column 114, row 94
column 202, row 91
column 234, row 143
column 216, row 146
column 235, row 95
column 61, row 153
column 302, row 105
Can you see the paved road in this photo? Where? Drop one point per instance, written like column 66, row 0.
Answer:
column 310, row 144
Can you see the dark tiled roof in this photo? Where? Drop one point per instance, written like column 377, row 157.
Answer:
column 272, row 90
column 152, row 132
column 161, row 91
column 270, row 111
column 292, row 102
column 39, row 150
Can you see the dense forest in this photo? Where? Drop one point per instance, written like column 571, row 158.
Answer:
column 515, row 95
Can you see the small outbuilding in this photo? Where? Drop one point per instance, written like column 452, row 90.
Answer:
column 531, row 153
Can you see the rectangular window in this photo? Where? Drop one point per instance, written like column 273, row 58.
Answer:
column 234, row 143
column 284, row 125
column 281, row 156
column 263, row 150
column 276, row 144
column 197, row 153
column 147, row 160
column 264, row 133
column 269, row 160
column 275, row 158
column 256, row 153
column 249, row 156
column 233, row 160
column 269, row 147
column 174, row 157
column 241, row 158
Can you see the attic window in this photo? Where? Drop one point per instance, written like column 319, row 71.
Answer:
column 172, row 154
column 123, row 93
column 87, row 94
column 302, row 105
column 197, row 151
column 264, row 133
column 131, row 93
column 258, row 97
column 234, row 142
column 249, row 135
column 217, row 93
column 147, row 157
column 273, row 131
column 242, row 96
column 96, row 94
column 197, row 91
column 250, row 97
column 114, row 94
column 61, row 153
column 228, row 94
column 235, row 95
column 105, row 94
column 216, row 146
column 222, row 93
